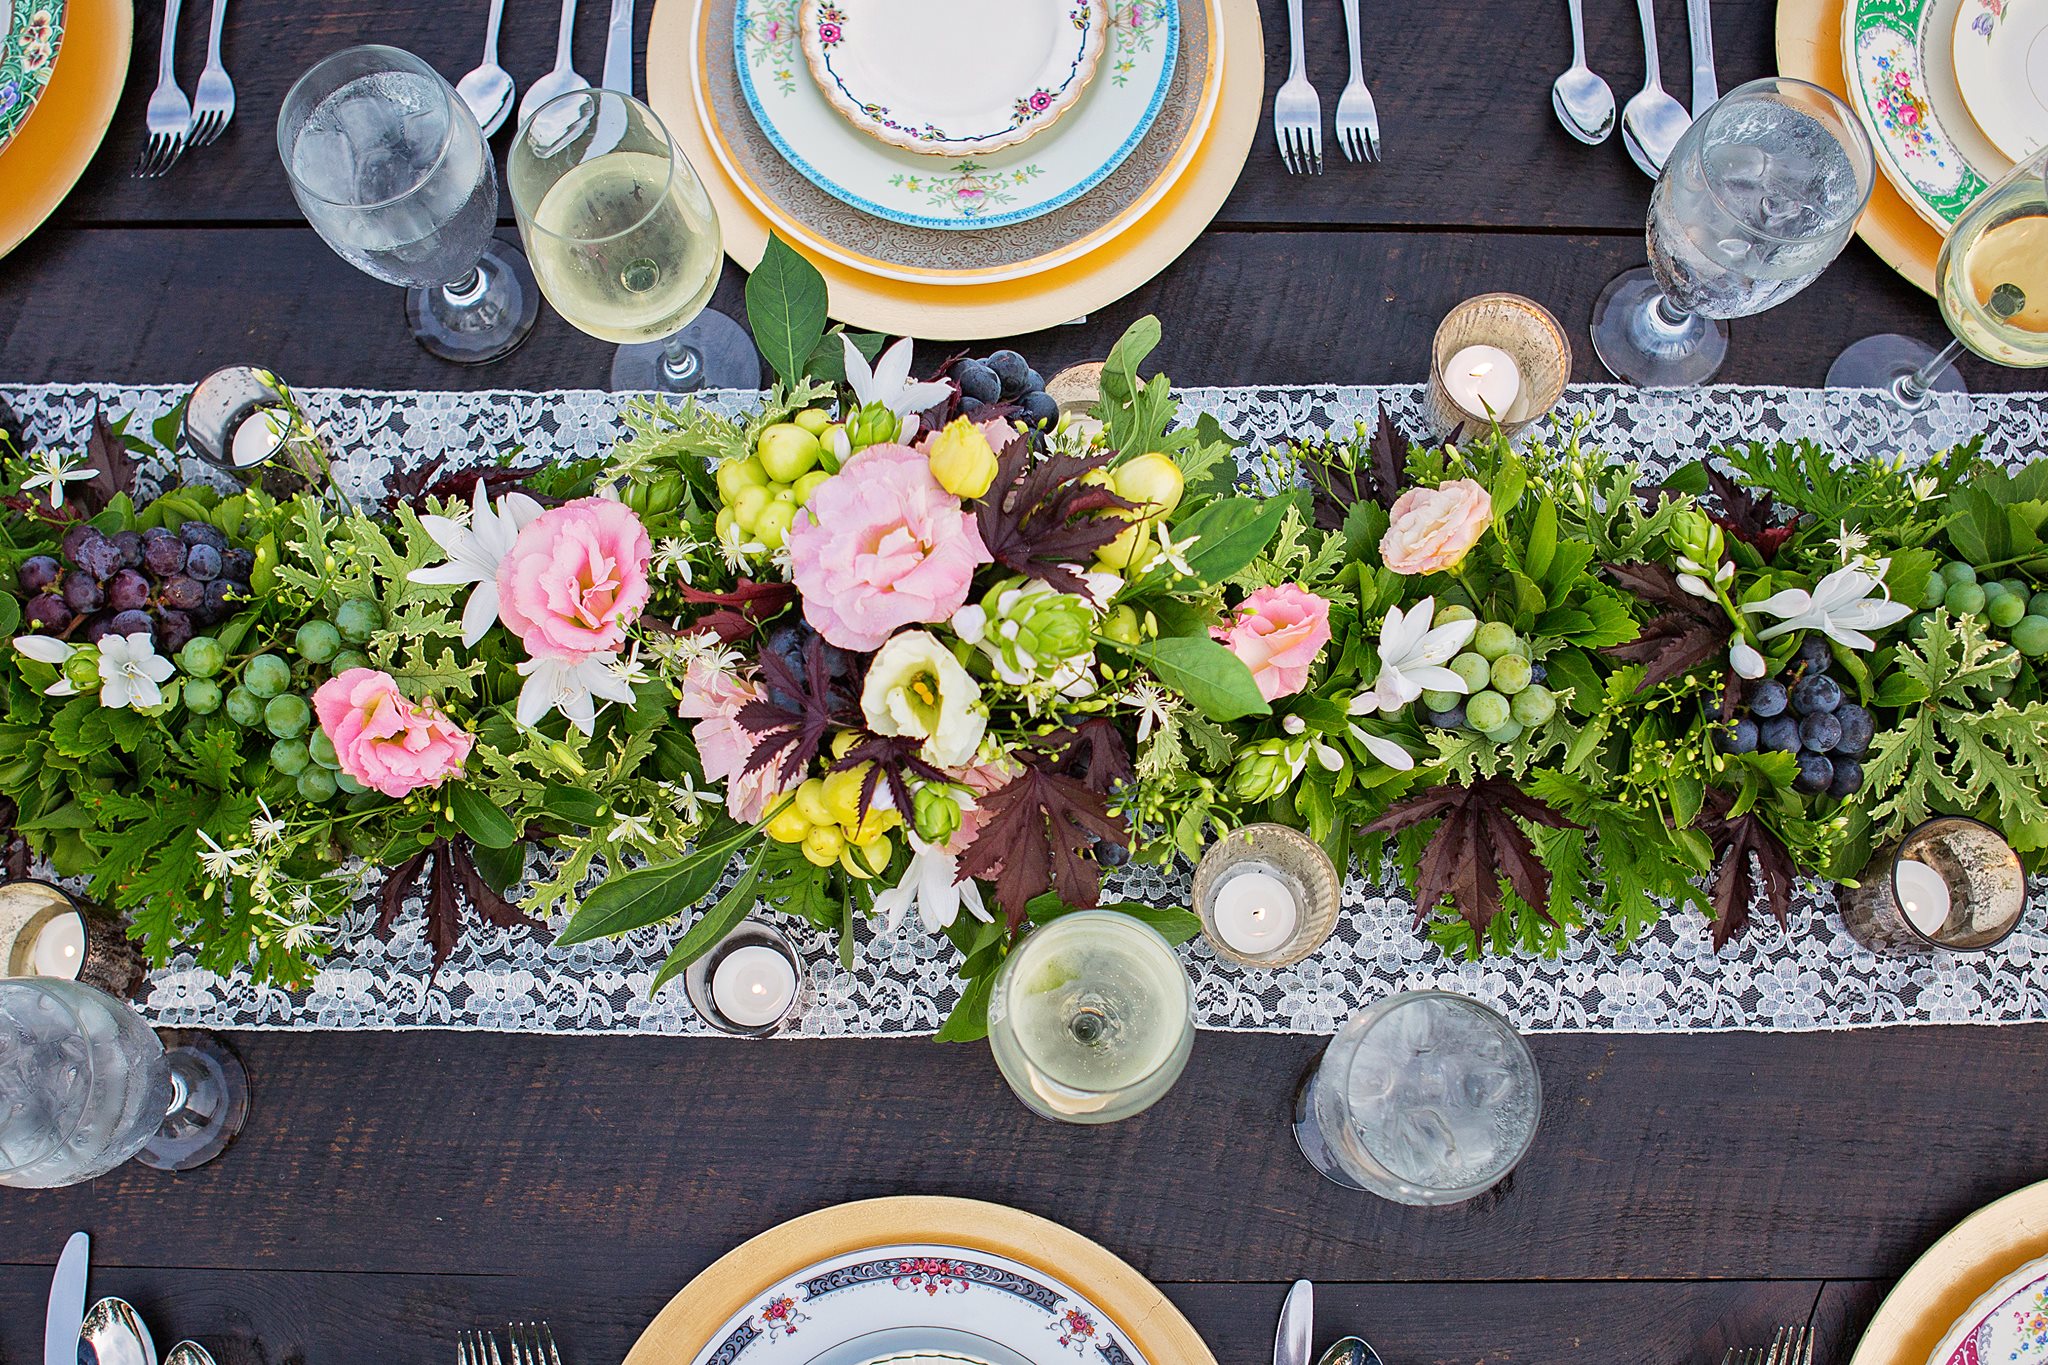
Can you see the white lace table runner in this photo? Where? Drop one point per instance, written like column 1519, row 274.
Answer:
column 1809, row 976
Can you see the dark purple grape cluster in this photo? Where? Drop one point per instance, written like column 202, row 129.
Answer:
column 1809, row 717
column 789, row 642
column 1005, row 377
column 169, row 585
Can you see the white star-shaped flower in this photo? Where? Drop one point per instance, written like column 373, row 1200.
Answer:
column 1842, row 606
column 672, row 557
column 690, row 802
column 130, row 671
column 48, row 650
column 473, row 553
column 221, row 863
column 632, row 827
column 890, row 385
column 1153, row 705
column 56, row 471
column 1174, row 553
column 267, row 828
column 932, row 882
column 571, row 686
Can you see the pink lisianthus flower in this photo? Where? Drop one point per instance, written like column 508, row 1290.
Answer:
column 575, row 579
column 383, row 740
column 713, row 698
column 1433, row 528
column 1278, row 632
column 882, row 546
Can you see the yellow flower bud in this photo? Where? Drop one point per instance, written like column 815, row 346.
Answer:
column 962, row 460
column 1153, row 481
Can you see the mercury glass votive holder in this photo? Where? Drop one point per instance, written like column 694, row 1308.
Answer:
column 1966, row 862
column 1290, row 856
column 699, row 978
column 97, row 948
column 1532, row 338
column 242, row 421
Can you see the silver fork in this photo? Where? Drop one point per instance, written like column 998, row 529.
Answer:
column 532, row 1344
column 1790, row 1345
column 1358, row 123
column 476, row 1348
column 170, row 116
column 213, row 103
column 1297, row 112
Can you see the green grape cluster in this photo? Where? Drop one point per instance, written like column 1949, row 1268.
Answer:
column 1505, row 693
column 762, row 494
column 2008, row 604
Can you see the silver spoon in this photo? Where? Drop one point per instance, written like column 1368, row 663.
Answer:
column 563, row 78
column 1652, row 121
column 1349, row 1351
column 114, row 1333
column 1584, row 103
column 188, row 1353
column 488, row 89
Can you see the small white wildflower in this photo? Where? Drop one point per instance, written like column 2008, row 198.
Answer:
column 222, row 863
column 1174, row 553
column 689, row 801
column 266, row 828
column 627, row 668
column 56, row 471
column 672, row 557
column 632, row 827
column 1153, row 705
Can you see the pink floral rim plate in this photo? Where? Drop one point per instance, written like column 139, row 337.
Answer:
column 2001, row 57
column 953, row 77
column 919, row 1305
column 2008, row 1325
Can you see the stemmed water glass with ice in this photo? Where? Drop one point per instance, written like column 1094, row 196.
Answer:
column 390, row 168
column 1759, row 195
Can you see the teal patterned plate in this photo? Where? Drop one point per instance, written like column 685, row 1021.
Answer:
column 1899, row 62
column 29, row 33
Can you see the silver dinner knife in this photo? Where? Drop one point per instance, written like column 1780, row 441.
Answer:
column 618, row 50
column 1297, row 1330
column 67, row 1303
column 1699, row 20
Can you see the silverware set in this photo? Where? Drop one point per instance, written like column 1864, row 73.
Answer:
column 527, row 1343
column 1298, row 110
column 1652, row 121
column 1790, row 1345
column 174, row 122
column 111, row 1332
column 489, row 89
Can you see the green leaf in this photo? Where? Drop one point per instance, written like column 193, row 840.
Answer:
column 632, row 900
column 714, row 925
column 1120, row 371
column 577, row 806
column 1542, row 540
column 786, row 308
column 968, row 1022
column 10, row 615
column 828, row 361
column 501, row 868
column 481, row 818
column 1214, row 680
column 1899, row 690
column 1229, row 534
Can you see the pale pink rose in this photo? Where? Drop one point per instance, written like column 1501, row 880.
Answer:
column 384, row 741
column 713, row 699
column 882, row 546
column 575, row 579
column 1278, row 632
column 1432, row 528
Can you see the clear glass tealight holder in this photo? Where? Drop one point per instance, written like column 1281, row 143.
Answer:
column 1951, row 884
column 243, row 421
column 751, row 984
column 1533, row 342
column 1251, row 881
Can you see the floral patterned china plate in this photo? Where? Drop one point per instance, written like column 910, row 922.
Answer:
column 30, row 31
column 2007, row 1325
column 953, row 77
column 919, row 1305
column 2001, row 57
column 1898, row 57
column 978, row 190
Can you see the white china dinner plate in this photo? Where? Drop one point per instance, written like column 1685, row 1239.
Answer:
column 919, row 1305
column 968, row 192
column 2007, row 1325
column 953, row 77
column 2001, row 58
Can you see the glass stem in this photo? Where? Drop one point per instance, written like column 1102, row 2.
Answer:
column 465, row 292
column 1669, row 315
column 1912, row 389
column 181, row 1094
column 681, row 365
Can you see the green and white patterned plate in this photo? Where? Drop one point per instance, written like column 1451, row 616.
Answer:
column 29, row 33
column 1898, row 58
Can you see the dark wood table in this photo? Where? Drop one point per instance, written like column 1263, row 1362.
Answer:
column 1686, row 1192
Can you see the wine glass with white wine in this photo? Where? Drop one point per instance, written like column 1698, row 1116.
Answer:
column 1992, row 283
column 625, row 242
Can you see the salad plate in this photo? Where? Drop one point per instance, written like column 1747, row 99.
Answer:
column 51, row 151
column 953, row 77
column 2001, row 61
column 30, row 32
column 969, row 191
column 2008, row 1324
column 1898, row 59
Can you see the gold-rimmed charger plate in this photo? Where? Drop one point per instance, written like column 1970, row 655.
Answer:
column 1942, row 1285
column 54, row 146
column 1810, row 49
column 968, row 312
column 683, row 1328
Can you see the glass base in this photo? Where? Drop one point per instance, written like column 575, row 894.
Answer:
column 1308, row 1133
column 215, row 1104
column 1638, row 345
column 1882, row 361
column 487, row 328
column 725, row 359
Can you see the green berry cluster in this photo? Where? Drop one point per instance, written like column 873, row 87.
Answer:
column 2007, row 603
column 1504, row 693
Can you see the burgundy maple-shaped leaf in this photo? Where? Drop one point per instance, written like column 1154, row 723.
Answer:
column 795, row 727
column 451, row 875
column 1687, row 633
column 1735, row 884
column 1097, row 746
column 113, row 469
column 413, row 487
column 1040, row 519
column 892, row 756
column 1389, row 461
column 1478, row 843
column 741, row 610
column 1037, row 837
column 1750, row 518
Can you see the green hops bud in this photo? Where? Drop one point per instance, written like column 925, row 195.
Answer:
column 1027, row 628
column 82, row 669
column 938, row 814
column 1266, row 770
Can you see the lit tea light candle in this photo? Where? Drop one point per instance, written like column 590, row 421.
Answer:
column 1255, row 912
column 1923, row 896
column 753, row 986
column 41, row 932
column 260, row 436
column 1483, row 381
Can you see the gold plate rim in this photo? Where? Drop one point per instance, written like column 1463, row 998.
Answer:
column 1952, row 1275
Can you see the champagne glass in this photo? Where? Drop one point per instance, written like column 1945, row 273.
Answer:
column 1092, row 1018
column 85, row 1085
column 389, row 167
column 626, row 241
column 1992, row 282
column 1758, row 196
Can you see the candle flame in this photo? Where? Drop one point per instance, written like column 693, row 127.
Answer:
column 1483, row 368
